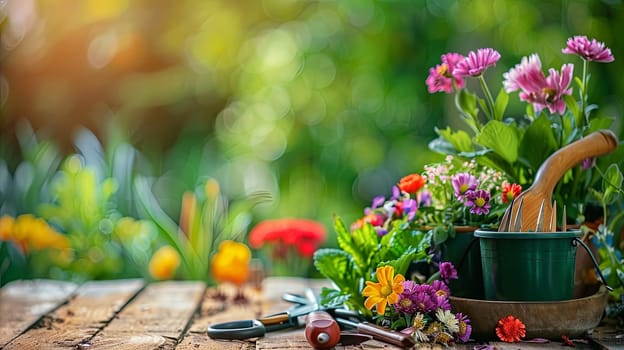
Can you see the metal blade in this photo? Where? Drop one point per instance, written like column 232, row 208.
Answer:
column 517, row 227
column 350, row 338
column 540, row 218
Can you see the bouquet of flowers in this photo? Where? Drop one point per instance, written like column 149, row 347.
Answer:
column 518, row 145
column 422, row 310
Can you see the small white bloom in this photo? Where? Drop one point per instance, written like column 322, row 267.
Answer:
column 448, row 319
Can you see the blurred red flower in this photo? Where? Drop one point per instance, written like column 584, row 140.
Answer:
column 282, row 234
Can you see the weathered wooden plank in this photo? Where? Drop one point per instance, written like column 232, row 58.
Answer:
column 93, row 306
column 22, row 303
column 215, row 309
column 156, row 318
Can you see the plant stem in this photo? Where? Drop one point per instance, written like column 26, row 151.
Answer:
column 488, row 97
column 584, row 94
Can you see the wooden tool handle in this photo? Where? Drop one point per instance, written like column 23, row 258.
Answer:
column 593, row 145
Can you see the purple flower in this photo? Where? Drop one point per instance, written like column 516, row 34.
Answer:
column 588, row 163
column 424, row 198
column 479, row 201
column 447, row 270
column 417, row 298
column 589, row 50
column 465, row 329
column 536, row 88
column 410, row 207
column 441, row 77
column 378, row 201
column 462, row 183
column 476, row 63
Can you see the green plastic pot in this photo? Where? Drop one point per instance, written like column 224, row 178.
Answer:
column 528, row 266
column 464, row 253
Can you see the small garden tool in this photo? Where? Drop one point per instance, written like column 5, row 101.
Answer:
column 532, row 210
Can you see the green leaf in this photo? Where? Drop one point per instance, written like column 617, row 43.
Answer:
column 501, row 138
column 612, row 184
column 440, row 145
column 460, row 140
column 343, row 236
column 538, row 142
column 573, row 107
column 500, row 105
column 466, row 102
column 333, row 264
column 599, row 123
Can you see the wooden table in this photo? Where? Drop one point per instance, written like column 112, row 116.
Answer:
column 129, row 314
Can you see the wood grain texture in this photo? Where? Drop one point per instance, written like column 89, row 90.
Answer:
column 167, row 315
column 92, row 307
column 156, row 319
column 23, row 303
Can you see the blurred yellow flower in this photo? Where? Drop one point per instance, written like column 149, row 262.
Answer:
column 6, row 228
column 231, row 263
column 164, row 263
column 31, row 233
column 385, row 291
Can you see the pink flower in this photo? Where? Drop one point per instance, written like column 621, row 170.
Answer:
column 476, row 63
column 441, row 77
column 538, row 89
column 462, row 183
column 589, row 50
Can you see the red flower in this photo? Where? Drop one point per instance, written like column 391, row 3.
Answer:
column 304, row 235
column 411, row 183
column 510, row 191
column 510, row 329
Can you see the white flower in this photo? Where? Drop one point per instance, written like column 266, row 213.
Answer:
column 448, row 319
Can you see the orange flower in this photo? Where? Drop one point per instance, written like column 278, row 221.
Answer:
column 510, row 191
column 231, row 263
column 6, row 228
column 510, row 329
column 164, row 263
column 385, row 291
column 411, row 183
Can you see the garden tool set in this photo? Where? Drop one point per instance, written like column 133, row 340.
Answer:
column 324, row 327
column 533, row 209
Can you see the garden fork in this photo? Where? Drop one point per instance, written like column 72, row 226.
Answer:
column 534, row 204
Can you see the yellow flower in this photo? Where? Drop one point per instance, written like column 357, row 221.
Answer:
column 29, row 232
column 385, row 291
column 164, row 263
column 231, row 263
column 6, row 228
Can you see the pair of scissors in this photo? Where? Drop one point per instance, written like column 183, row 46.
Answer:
column 255, row 328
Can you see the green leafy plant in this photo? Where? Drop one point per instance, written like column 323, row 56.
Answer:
column 207, row 218
column 518, row 145
column 360, row 252
column 609, row 246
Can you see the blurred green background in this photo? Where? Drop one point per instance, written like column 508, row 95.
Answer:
column 322, row 104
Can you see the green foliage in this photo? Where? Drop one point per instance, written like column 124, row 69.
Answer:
column 611, row 261
column 359, row 254
column 207, row 218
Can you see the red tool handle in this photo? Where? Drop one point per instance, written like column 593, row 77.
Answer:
column 322, row 331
